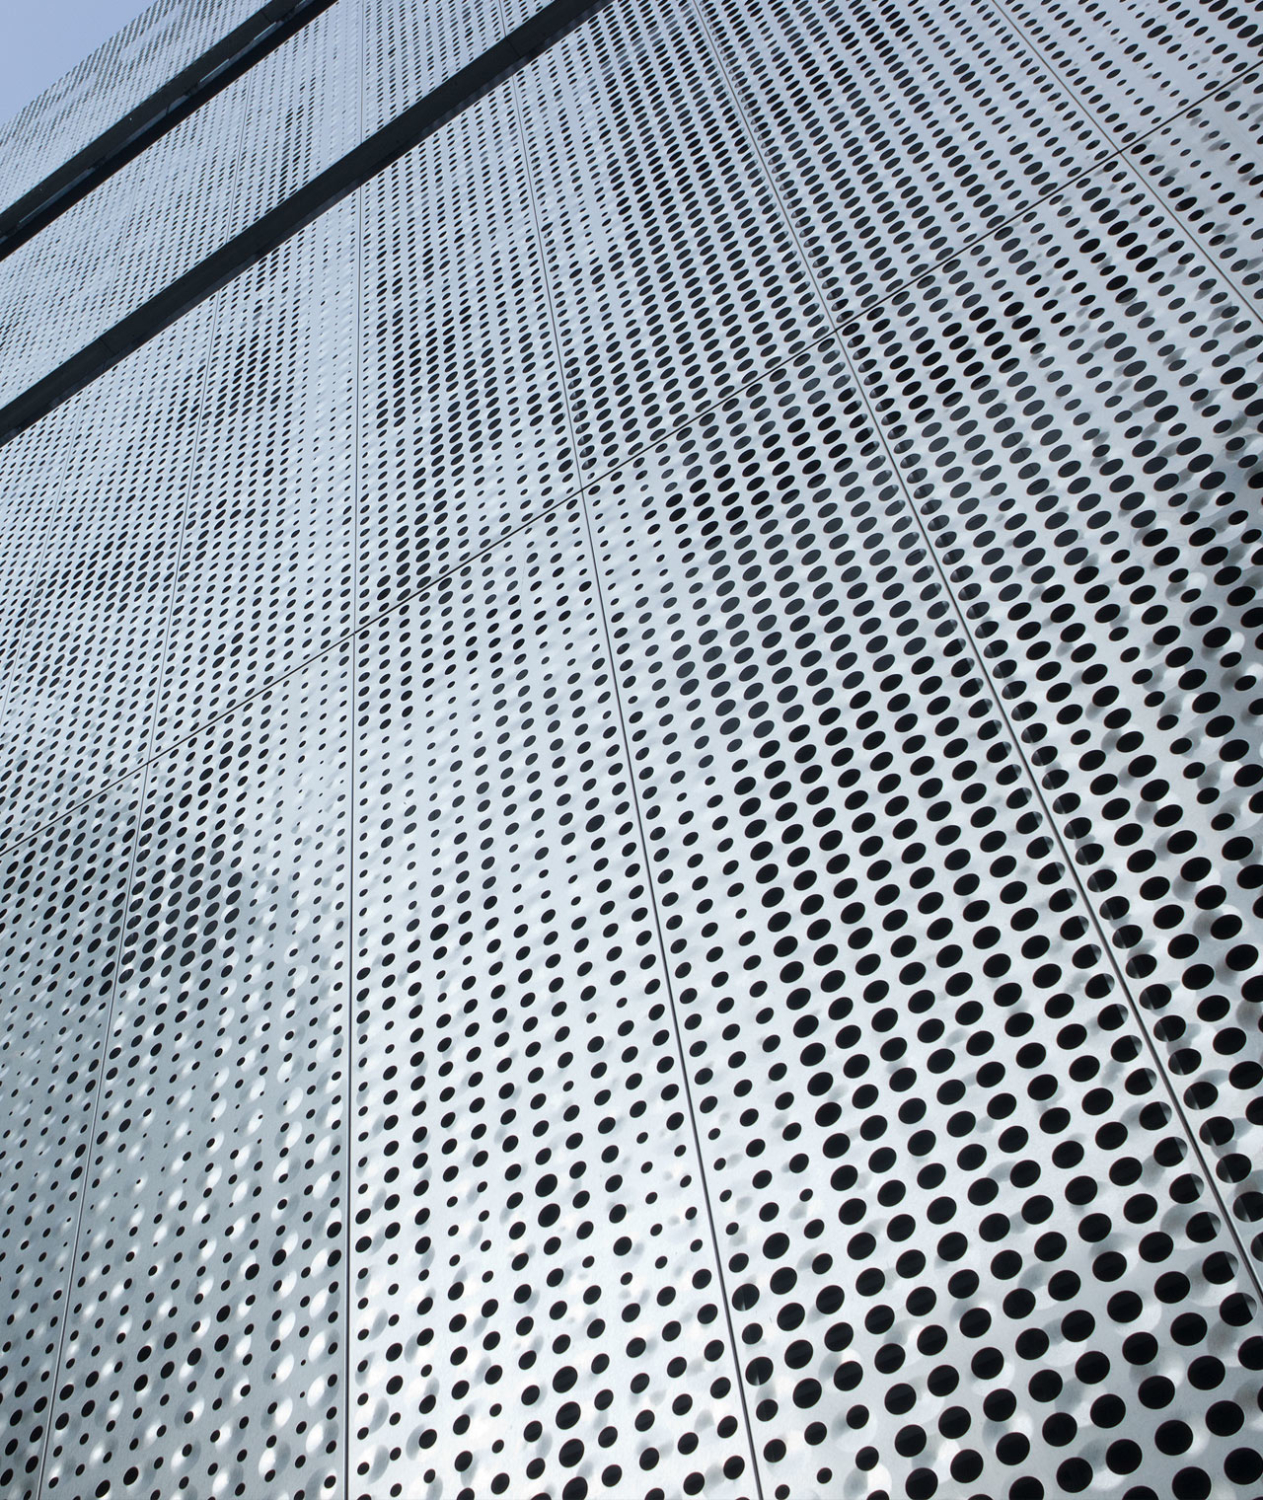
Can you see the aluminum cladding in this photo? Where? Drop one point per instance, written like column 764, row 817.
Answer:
column 630, row 776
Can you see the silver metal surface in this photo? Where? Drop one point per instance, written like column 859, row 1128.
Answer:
column 1205, row 167
column 673, row 278
column 282, row 122
column 108, row 83
column 88, row 634
column 892, row 146
column 900, row 1006
column 463, row 433
column 631, row 802
column 205, row 1325
column 1105, row 662
column 262, row 582
column 409, row 49
column 1135, row 65
column 64, row 901
column 534, row 1269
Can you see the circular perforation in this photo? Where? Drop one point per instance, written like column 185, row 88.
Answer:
column 64, row 895
column 205, row 1342
column 894, row 144
column 538, row 1304
column 1123, row 661
column 761, row 996
column 900, row 1002
column 672, row 274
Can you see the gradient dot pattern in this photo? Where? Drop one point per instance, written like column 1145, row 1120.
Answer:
column 630, row 795
column 111, row 81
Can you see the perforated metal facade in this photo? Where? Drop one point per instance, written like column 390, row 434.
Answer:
column 630, row 790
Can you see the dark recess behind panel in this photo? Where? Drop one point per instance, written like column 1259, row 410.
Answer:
column 140, row 127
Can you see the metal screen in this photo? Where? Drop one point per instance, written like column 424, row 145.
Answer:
column 630, row 789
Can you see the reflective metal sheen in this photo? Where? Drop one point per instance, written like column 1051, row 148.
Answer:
column 631, row 806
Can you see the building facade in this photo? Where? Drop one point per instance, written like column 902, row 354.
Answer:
column 630, row 758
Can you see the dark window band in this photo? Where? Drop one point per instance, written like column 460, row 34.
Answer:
column 140, row 127
column 249, row 247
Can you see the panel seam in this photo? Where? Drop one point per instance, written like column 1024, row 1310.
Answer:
column 1106, row 946
column 293, row 213
column 641, row 836
column 180, row 296
column 1121, row 150
column 1070, row 865
column 783, row 360
column 203, row 384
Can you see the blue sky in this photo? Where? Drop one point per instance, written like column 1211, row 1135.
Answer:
column 42, row 39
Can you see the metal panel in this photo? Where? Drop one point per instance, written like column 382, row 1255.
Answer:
column 895, row 141
column 31, row 478
column 60, row 919
column 672, row 273
column 86, row 651
column 966, row 1229
column 205, row 1349
column 263, row 577
column 801, row 910
column 1206, row 167
column 213, row 175
column 538, row 1305
column 409, row 48
column 143, row 478
column 107, row 83
column 1137, row 64
column 150, row 221
column 299, row 113
column 1093, row 497
column 464, row 431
